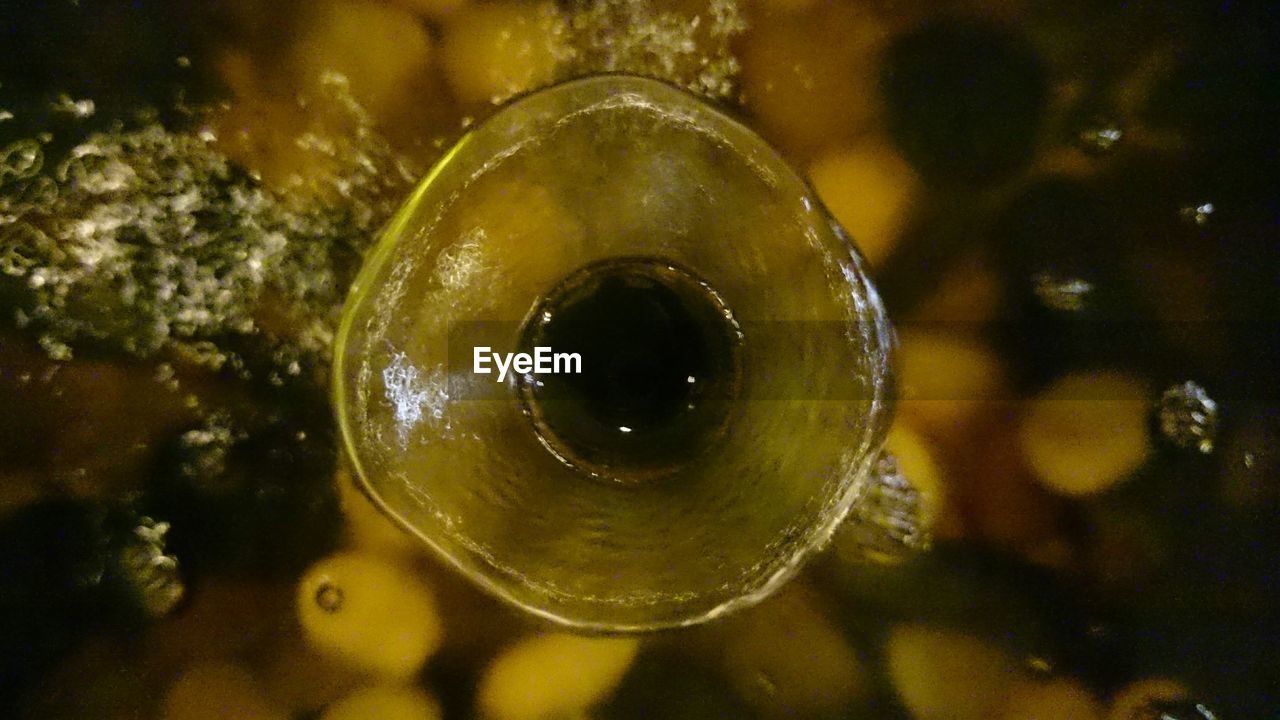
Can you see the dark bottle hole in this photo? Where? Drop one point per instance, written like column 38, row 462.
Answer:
column 659, row 371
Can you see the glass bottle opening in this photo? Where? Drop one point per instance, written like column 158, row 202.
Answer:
column 619, row 220
column 658, row 367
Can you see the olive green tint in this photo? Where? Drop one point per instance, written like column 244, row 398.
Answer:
column 618, row 199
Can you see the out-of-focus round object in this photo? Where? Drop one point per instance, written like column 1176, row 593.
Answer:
column 379, row 48
column 370, row 613
column 787, row 659
column 1086, row 432
column 1137, row 700
column 385, row 702
column 734, row 360
column 553, row 676
column 946, row 381
column 1054, row 700
column 945, row 675
column 492, row 51
column 869, row 189
column 809, row 75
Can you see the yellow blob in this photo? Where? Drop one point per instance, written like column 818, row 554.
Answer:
column 868, row 188
column 1133, row 699
column 1086, row 431
column 1055, row 700
column 493, row 51
column 367, row 527
column 388, row 702
column 787, row 660
column 383, row 51
column 946, row 380
column 553, row 676
column 369, row 612
column 218, row 691
column 811, row 77
column 944, row 675
column 969, row 293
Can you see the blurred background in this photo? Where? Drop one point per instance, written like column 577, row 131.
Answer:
column 1070, row 208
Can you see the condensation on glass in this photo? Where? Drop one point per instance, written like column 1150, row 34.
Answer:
column 590, row 174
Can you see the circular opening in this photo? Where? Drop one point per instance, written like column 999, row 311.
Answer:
column 645, row 367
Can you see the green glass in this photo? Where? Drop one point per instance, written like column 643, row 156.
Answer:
column 735, row 386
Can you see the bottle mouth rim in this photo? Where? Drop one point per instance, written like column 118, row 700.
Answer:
column 660, row 368
column 610, row 605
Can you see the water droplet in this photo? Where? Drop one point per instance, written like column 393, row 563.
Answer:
column 1065, row 294
column 1100, row 136
column 1178, row 710
column 151, row 573
column 22, row 248
column 1189, row 417
column 92, row 170
column 206, row 448
column 1197, row 213
column 54, row 348
column 1040, row 665
column 79, row 109
column 886, row 523
column 329, row 597
column 20, row 160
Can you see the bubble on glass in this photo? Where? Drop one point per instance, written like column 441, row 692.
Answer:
column 887, row 523
column 55, row 348
column 1198, row 214
column 78, row 109
column 691, row 48
column 147, row 240
column 1177, row 710
column 414, row 396
column 1189, row 417
column 205, row 449
column 152, row 574
column 1068, row 294
column 1100, row 136
column 329, row 597
column 20, row 160
column 22, row 247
